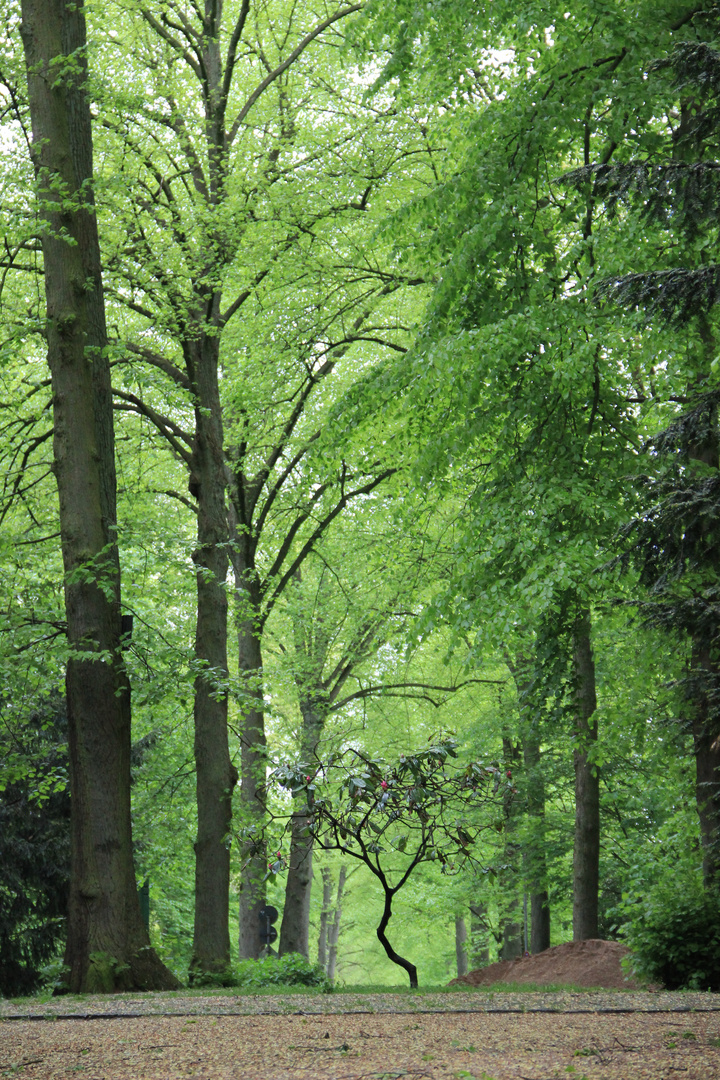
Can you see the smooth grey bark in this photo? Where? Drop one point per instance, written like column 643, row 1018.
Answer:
column 512, row 930
column 461, row 939
column 295, row 928
column 586, row 852
column 512, row 945
column 479, row 935
column 334, row 926
column 108, row 948
column 534, row 854
column 534, row 859
column 216, row 776
column 311, row 647
column 325, row 913
column 253, row 769
column 194, row 313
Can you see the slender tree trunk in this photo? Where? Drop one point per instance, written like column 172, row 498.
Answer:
column 479, row 952
column 534, row 856
column 534, row 860
column 295, row 928
column 216, row 776
column 461, row 937
column 108, row 947
column 512, row 932
column 324, row 916
column 253, row 789
column 512, row 935
column 586, row 857
column 334, row 927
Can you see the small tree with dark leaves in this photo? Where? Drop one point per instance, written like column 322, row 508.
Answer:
column 393, row 817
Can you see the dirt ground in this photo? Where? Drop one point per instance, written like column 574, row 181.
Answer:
column 484, row 1033
column 577, row 963
column 436, row 1046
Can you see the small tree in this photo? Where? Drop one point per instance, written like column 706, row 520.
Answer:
column 394, row 817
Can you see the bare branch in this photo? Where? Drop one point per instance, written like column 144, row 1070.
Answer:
column 278, row 71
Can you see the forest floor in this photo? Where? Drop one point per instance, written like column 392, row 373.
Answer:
column 480, row 1029
column 515, row 1035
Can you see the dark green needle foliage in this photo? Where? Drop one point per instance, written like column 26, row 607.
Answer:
column 34, row 850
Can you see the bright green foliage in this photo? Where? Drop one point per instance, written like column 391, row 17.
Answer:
column 674, row 934
column 290, row 970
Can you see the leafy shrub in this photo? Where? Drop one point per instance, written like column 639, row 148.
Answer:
column 675, row 938
column 290, row 970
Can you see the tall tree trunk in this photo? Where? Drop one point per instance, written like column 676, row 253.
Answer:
column 253, row 789
column 534, row 860
column 512, row 933
column 325, row 916
column 534, row 855
column 586, row 855
column 461, row 937
column 108, row 947
column 479, row 935
column 512, row 930
column 216, row 776
column 334, row 927
column 295, row 928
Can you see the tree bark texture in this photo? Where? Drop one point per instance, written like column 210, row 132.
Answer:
column 253, row 788
column 461, row 937
column 479, row 935
column 334, row 926
column 108, row 947
column 534, row 860
column 512, row 930
column 391, row 954
column 215, row 774
column 324, row 916
column 512, row 933
column 534, row 855
column 586, row 854
column 295, row 928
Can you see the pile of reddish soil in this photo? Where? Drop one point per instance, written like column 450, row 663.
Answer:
column 578, row 963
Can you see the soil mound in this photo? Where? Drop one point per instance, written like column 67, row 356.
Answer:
column 578, row 963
